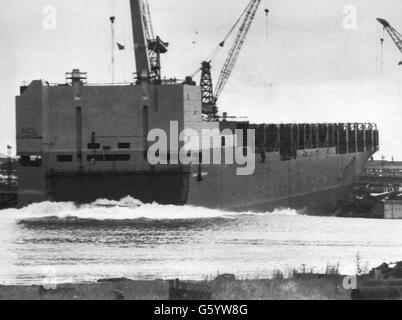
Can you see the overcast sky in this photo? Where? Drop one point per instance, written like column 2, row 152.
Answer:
column 309, row 69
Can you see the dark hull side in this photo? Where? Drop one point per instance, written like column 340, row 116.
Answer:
column 171, row 189
column 161, row 187
column 314, row 184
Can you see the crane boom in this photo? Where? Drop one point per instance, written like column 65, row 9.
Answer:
column 140, row 41
column 236, row 48
column 209, row 96
column 147, row 48
column 395, row 35
column 149, row 30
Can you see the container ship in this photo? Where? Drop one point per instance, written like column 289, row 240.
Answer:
column 80, row 142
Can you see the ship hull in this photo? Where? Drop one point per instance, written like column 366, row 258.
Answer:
column 321, row 202
column 81, row 143
column 315, row 183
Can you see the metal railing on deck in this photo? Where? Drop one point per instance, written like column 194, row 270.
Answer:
column 171, row 81
column 289, row 138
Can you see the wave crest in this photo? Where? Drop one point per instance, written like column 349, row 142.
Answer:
column 127, row 209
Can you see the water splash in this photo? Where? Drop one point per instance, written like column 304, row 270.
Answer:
column 125, row 209
column 126, row 238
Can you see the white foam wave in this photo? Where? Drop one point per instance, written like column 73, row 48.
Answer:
column 286, row 212
column 125, row 209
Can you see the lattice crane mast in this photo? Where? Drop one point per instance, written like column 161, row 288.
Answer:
column 209, row 96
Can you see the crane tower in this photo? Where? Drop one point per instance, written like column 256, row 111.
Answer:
column 209, row 96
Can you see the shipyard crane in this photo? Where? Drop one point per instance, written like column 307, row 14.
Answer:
column 209, row 96
column 395, row 35
column 147, row 47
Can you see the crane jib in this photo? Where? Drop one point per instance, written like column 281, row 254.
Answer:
column 394, row 34
column 147, row 47
column 209, row 96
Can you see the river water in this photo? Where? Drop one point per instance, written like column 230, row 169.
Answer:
column 66, row 243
